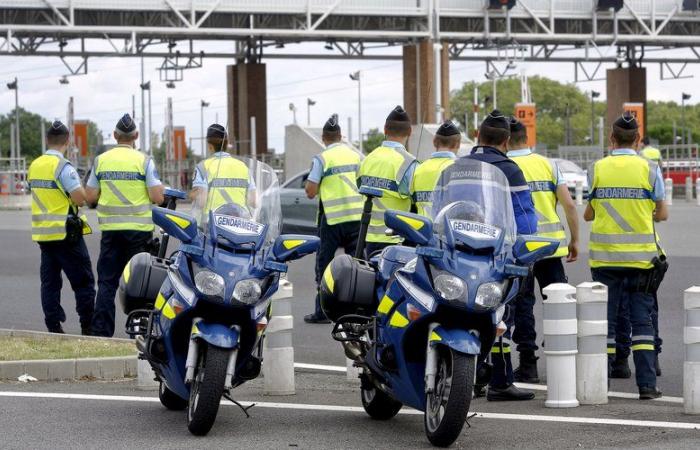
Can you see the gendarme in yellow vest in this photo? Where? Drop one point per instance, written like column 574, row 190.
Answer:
column 651, row 153
column 384, row 169
column 124, row 202
column 50, row 203
column 424, row 180
column 541, row 176
column 340, row 197
column 622, row 234
column 227, row 181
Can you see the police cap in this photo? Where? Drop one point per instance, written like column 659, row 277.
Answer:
column 398, row 114
column 515, row 125
column 216, row 131
column 496, row 119
column 331, row 125
column 126, row 124
column 626, row 122
column 448, row 128
column 57, row 128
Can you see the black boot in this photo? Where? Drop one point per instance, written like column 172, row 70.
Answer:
column 527, row 371
column 508, row 393
column 58, row 329
column 649, row 393
column 316, row 318
column 620, row 368
column 658, row 366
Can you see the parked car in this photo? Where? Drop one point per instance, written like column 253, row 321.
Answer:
column 299, row 213
column 572, row 173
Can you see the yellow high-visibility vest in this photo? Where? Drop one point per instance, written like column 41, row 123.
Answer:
column 124, row 202
column 384, row 169
column 50, row 203
column 424, row 180
column 227, row 181
column 340, row 197
column 651, row 153
column 622, row 234
column 541, row 176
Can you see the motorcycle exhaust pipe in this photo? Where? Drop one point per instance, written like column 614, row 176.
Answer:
column 192, row 356
column 431, row 358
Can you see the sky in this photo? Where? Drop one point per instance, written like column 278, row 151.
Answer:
column 105, row 93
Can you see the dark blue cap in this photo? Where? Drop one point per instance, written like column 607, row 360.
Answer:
column 331, row 125
column 515, row 125
column 126, row 124
column 57, row 128
column 626, row 121
column 496, row 119
column 398, row 114
column 216, row 131
column 448, row 128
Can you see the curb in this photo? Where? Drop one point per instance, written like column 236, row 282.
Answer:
column 45, row 334
column 108, row 368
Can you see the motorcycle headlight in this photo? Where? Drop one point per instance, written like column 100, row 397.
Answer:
column 450, row 287
column 489, row 295
column 209, row 283
column 247, row 291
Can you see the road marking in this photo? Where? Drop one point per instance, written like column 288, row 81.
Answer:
column 357, row 409
column 534, row 387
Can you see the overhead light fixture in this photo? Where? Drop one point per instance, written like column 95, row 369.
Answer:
column 329, row 45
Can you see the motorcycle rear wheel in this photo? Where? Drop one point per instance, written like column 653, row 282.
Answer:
column 378, row 405
column 207, row 389
column 447, row 406
column 169, row 399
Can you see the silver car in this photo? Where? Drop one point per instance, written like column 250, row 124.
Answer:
column 299, row 213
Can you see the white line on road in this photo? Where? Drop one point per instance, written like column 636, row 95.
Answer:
column 534, row 387
column 357, row 409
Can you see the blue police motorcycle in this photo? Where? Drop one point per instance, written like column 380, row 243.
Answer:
column 199, row 316
column 417, row 320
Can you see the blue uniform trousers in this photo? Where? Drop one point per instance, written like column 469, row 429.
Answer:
column 74, row 260
column 502, row 372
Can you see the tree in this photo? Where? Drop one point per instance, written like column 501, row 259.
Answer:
column 30, row 133
column 374, row 140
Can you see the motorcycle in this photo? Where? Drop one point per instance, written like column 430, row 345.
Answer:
column 418, row 320
column 199, row 315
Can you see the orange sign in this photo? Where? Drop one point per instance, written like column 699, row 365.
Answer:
column 527, row 114
column 80, row 136
column 637, row 110
column 179, row 143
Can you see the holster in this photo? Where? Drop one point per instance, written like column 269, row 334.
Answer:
column 74, row 228
column 650, row 281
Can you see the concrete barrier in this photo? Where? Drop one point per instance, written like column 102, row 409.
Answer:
column 145, row 377
column 688, row 189
column 668, row 188
column 278, row 350
column 691, row 339
column 560, row 334
column 578, row 190
column 592, row 358
column 697, row 191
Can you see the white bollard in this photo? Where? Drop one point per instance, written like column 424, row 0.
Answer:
column 688, row 189
column 560, row 328
column 592, row 357
column 278, row 350
column 145, row 377
column 691, row 339
column 697, row 191
column 668, row 190
column 353, row 373
column 579, row 192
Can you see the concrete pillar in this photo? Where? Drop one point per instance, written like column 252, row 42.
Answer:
column 625, row 85
column 247, row 97
column 419, row 99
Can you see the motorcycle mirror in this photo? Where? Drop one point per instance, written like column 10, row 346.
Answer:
column 529, row 249
column 288, row 247
column 179, row 225
column 413, row 227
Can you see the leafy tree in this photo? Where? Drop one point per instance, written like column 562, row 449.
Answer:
column 374, row 140
column 30, row 133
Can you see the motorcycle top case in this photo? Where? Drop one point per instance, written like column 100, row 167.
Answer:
column 140, row 282
column 347, row 287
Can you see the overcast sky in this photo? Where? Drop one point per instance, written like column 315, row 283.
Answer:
column 105, row 93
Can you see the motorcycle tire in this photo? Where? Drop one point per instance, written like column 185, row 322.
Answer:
column 378, row 405
column 447, row 406
column 169, row 399
column 207, row 389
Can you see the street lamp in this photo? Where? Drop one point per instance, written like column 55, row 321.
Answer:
column 594, row 95
column 309, row 104
column 147, row 87
column 201, row 122
column 14, row 86
column 293, row 109
column 356, row 77
column 684, row 97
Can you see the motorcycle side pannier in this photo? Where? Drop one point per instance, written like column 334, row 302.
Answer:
column 347, row 287
column 141, row 281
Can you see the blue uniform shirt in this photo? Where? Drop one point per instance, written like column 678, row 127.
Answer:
column 198, row 180
column 526, row 151
column 443, row 154
column 152, row 178
column 523, row 208
column 657, row 194
column 68, row 177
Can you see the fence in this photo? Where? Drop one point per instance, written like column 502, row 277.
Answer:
column 13, row 176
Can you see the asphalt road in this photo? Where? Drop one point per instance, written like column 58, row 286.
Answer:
column 20, row 306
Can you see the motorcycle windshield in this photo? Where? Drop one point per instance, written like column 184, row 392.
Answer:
column 237, row 199
column 472, row 206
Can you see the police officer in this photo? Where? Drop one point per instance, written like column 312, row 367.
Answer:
column 389, row 168
column 650, row 153
column 123, row 184
column 493, row 136
column 333, row 176
column 446, row 142
column 626, row 199
column 547, row 187
column 223, row 178
column 56, row 196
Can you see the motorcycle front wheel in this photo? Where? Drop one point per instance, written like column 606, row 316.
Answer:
column 447, row 406
column 207, row 389
column 378, row 405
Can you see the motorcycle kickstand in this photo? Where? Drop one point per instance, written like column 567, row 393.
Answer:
column 468, row 418
column 227, row 396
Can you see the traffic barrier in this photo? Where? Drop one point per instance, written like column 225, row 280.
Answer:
column 697, row 191
column 668, row 188
column 691, row 339
column 4, row 184
column 278, row 351
column 688, row 189
column 592, row 358
column 145, row 377
column 579, row 192
column 560, row 330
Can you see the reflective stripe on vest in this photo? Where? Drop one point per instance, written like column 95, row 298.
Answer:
column 227, row 178
column 622, row 234
column 340, row 197
column 424, row 180
column 384, row 169
column 50, row 203
column 540, row 174
column 124, row 202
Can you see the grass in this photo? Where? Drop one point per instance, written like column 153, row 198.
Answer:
column 13, row 348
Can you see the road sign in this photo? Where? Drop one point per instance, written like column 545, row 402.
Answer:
column 527, row 114
column 637, row 110
column 179, row 143
column 80, row 136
